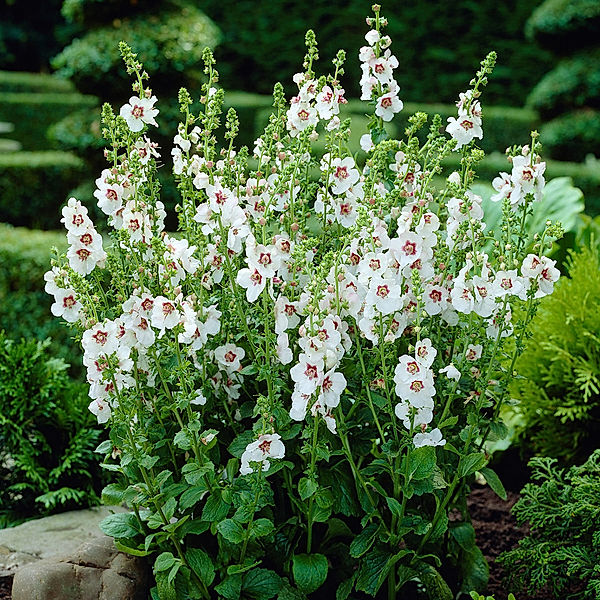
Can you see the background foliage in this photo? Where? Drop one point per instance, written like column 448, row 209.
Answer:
column 47, row 435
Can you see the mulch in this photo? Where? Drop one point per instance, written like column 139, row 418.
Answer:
column 5, row 588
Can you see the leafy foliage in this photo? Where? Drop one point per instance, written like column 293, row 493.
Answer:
column 558, row 387
column 562, row 551
column 171, row 40
column 573, row 135
column 33, row 185
column 47, row 443
column 421, row 30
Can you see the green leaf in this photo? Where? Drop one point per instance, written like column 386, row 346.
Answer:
column 494, row 482
column 435, row 585
column 422, row 462
column 232, row 569
column 464, row 534
column 394, row 506
column 164, row 561
column 105, row 447
column 310, row 571
column 287, row 592
column 191, row 496
column 344, row 589
column 113, row 494
column 120, row 525
column 165, row 588
column 215, row 509
column 448, row 422
column 373, row 571
column 231, row 530
column 307, row 487
column 261, row 528
column 364, row 540
column 261, row 584
column 133, row 551
column 237, row 447
column 470, row 463
column 231, row 587
column 249, row 370
column 475, row 570
column 201, row 564
column 182, row 440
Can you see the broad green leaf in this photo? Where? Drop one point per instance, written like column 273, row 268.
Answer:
column 231, row 530
column 364, row 540
column 373, row 571
column 120, row 525
column 261, row 528
column 494, row 482
column 164, row 562
column 464, row 534
column 307, row 487
column 231, row 587
column 470, row 463
column 165, row 588
column 475, row 570
column 201, row 564
column 310, row 571
column 237, row 447
column 113, row 494
column 261, row 584
column 436, row 587
column 344, row 589
column 422, row 462
column 215, row 508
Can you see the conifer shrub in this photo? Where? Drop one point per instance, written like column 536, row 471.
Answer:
column 558, row 383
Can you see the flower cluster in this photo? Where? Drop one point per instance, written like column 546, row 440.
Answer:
column 323, row 325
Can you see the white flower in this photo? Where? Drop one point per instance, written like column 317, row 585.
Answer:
column 229, row 357
column 366, row 142
column 388, row 105
column 75, row 217
column 464, row 129
column 66, row 305
column 473, row 352
column 425, row 353
column 433, row 438
column 267, row 446
column 283, row 351
column 101, row 409
column 138, row 112
column 164, row 313
column 332, row 386
column 307, row 374
column 252, row 281
column 372, row 37
column 451, row 372
column 198, row 399
column 100, row 340
column 345, row 174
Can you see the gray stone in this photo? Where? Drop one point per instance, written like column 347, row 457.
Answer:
column 96, row 570
column 53, row 536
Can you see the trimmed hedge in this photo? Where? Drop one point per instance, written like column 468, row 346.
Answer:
column 32, row 114
column 585, row 176
column 572, row 136
column 38, row 83
column 169, row 42
column 24, row 305
column 574, row 83
column 564, row 25
column 33, row 185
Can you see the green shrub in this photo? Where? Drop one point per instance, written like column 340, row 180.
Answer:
column 47, row 436
column 557, row 390
column 574, row 83
column 562, row 25
column 170, row 41
column 563, row 550
column 33, row 113
column 24, row 306
column 33, row 185
column 423, row 43
column 573, row 135
column 38, row 83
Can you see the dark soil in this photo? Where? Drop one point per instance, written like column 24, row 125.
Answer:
column 5, row 588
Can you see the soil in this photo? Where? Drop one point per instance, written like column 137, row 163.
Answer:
column 5, row 588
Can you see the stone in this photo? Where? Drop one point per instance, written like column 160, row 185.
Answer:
column 50, row 536
column 95, row 570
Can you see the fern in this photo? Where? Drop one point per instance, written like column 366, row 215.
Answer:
column 563, row 549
